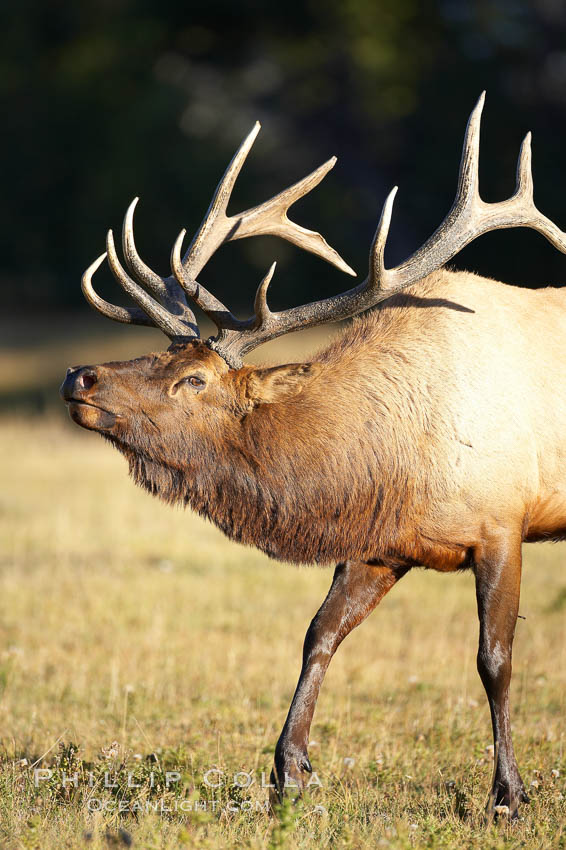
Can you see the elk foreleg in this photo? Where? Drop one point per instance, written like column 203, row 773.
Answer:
column 355, row 591
column 498, row 580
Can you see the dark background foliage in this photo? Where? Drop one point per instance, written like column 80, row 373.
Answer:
column 106, row 99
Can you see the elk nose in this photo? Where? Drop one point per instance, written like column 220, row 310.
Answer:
column 78, row 381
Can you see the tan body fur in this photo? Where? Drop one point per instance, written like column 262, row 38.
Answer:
column 480, row 379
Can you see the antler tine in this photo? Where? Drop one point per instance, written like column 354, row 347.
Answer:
column 152, row 281
column 468, row 177
column 523, row 203
column 524, row 187
column 213, row 230
column 377, row 270
column 262, row 312
column 127, row 315
column 209, row 304
column 170, row 324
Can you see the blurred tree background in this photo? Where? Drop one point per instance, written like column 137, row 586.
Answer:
column 107, row 99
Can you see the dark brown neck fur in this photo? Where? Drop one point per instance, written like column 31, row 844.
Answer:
column 300, row 479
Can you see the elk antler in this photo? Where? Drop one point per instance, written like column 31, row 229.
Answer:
column 173, row 315
column 468, row 218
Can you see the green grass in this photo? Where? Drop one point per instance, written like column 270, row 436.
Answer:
column 135, row 638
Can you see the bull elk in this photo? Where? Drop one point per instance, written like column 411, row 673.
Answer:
column 430, row 433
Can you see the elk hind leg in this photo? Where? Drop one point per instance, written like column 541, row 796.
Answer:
column 498, row 579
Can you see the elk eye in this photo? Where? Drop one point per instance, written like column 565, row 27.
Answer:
column 194, row 381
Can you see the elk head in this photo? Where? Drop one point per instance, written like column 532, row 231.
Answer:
column 196, row 381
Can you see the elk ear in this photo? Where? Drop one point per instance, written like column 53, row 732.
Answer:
column 266, row 386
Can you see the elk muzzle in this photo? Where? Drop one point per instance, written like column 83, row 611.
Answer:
column 79, row 391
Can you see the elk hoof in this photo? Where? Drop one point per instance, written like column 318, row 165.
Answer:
column 305, row 764
column 505, row 801
column 288, row 776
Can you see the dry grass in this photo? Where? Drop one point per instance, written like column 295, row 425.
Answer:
column 123, row 620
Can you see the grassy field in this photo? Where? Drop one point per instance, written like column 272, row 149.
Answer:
column 136, row 640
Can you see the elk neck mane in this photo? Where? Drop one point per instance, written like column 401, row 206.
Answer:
column 341, row 470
